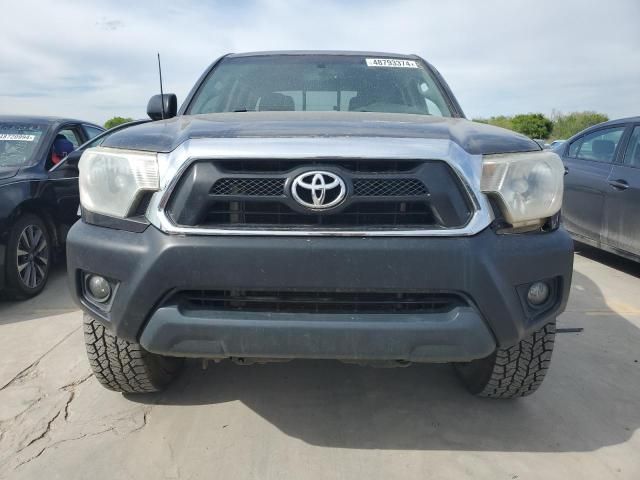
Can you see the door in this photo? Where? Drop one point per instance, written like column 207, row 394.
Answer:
column 622, row 207
column 64, row 182
column 588, row 162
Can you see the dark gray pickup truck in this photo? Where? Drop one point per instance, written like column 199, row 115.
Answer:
column 326, row 205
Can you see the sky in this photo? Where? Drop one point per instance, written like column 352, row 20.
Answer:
column 94, row 60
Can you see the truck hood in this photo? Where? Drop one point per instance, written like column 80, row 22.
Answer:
column 166, row 135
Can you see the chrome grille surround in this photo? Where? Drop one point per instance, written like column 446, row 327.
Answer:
column 467, row 167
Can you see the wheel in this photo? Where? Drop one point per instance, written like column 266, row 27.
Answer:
column 124, row 366
column 511, row 372
column 28, row 257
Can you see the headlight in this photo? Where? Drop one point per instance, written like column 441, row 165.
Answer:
column 112, row 181
column 528, row 185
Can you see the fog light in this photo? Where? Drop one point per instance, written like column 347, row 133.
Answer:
column 538, row 293
column 99, row 288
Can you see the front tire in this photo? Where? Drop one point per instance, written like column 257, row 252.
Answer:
column 124, row 366
column 511, row 372
column 28, row 260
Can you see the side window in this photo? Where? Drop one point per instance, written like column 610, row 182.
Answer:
column 598, row 146
column 632, row 155
column 574, row 147
column 72, row 135
column 433, row 101
column 92, row 131
column 433, row 108
column 97, row 141
column 345, row 98
column 320, row 101
column 65, row 141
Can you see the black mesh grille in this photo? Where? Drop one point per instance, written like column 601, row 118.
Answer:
column 396, row 187
column 369, row 214
column 381, row 194
column 319, row 302
column 363, row 187
column 251, row 187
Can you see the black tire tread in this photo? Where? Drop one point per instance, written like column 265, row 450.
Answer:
column 516, row 371
column 124, row 366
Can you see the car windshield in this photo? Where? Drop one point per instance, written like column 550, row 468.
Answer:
column 19, row 142
column 320, row 83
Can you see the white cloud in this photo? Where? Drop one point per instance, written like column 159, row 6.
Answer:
column 95, row 60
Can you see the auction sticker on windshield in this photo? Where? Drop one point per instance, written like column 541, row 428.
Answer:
column 17, row 137
column 391, row 62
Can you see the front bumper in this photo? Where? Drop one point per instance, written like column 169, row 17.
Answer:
column 457, row 335
column 3, row 253
column 489, row 270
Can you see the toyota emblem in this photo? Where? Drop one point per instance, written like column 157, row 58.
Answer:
column 318, row 190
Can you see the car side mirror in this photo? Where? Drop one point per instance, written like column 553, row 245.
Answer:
column 68, row 166
column 73, row 158
column 156, row 103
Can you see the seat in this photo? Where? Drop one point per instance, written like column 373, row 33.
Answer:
column 376, row 98
column 360, row 101
column 276, row 102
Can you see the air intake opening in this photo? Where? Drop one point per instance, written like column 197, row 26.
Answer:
column 318, row 302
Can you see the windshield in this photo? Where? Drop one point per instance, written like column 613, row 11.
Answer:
column 320, row 83
column 19, row 142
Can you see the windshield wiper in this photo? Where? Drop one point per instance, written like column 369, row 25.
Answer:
column 242, row 110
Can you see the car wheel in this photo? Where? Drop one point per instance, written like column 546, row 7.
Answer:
column 511, row 372
column 124, row 366
column 28, row 257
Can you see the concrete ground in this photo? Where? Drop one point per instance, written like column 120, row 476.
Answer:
column 326, row 420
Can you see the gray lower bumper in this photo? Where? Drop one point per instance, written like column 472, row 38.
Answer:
column 458, row 335
column 490, row 271
column 3, row 252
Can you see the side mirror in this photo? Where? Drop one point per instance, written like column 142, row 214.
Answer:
column 68, row 167
column 73, row 158
column 155, row 106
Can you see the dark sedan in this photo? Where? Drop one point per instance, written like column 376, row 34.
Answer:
column 38, row 196
column 602, row 186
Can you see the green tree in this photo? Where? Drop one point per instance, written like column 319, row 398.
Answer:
column 115, row 121
column 499, row 121
column 533, row 125
column 565, row 126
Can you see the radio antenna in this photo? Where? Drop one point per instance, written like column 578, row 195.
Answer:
column 161, row 90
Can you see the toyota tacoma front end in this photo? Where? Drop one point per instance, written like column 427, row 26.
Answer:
column 327, row 205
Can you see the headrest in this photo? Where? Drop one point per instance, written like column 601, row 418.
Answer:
column 359, row 101
column 603, row 147
column 62, row 146
column 276, row 102
column 381, row 94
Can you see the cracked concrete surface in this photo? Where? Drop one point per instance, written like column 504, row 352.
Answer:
column 50, row 403
column 324, row 419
